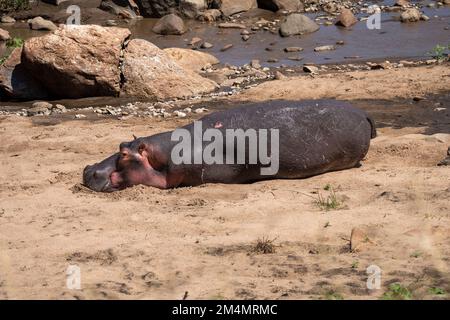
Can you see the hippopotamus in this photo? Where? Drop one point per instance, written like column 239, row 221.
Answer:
column 245, row 144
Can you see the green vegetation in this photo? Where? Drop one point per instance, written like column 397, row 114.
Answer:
column 333, row 295
column 13, row 5
column 355, row 265
column 416, row 254
column 397, row 292
column 437, row 291
column 14, row 42
column 3, row 59
column 329, row 202
column 439, row 52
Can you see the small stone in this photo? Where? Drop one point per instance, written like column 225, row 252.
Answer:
column 410, row 15
column 340, row 42
column 40, row 108
column 180, row 114
column 324, row 48
column 59, row 108
column 346, row 18
column 310, row 69
column 231, row 25
column 279, row 76
column 295, row 58
column 207, row 45
column 245, row 37
column 245, row 32
column 195, row 41
column 226, row 47
column 359, row 240
column 200, row 110
column 272, row 60
column 80, row 116
column 255, row 64
column 293, row 49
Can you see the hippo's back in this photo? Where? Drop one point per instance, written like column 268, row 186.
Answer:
column 314, row 136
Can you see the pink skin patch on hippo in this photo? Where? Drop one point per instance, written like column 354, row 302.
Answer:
column 144, row 174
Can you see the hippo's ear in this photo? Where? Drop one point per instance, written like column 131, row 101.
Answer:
column 134, row 137
column 142, row 148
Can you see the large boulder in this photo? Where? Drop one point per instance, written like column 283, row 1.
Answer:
column 170, row 24
column 77, row 61
column 189, row 59
column 230, row 7
column 16, row 82
column 157, row 8
column 150, row 73
column 297, row 23
column 275, row 5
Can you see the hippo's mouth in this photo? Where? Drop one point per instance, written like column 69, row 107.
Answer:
column 103, row 176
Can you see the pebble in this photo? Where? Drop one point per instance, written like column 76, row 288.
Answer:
column 324, row 48
column 293, row 49
column 226, row 47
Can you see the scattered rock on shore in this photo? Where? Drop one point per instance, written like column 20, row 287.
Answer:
column 297, row 24
column 170, row 24
column 346, row 18
column 410, row 15
column 40, row 23
column 324, row 48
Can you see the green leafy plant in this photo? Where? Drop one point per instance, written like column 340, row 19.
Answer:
column 439, row 52
column 397, row 292
column 2, row 60
column 436, row 291
column 14, row 42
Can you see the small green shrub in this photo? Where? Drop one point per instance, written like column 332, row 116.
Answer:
column 397, row 292
column 14, row 42
column 330, row 202
column 439, row 52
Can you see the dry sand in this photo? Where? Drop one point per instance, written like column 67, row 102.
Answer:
column 146, row 243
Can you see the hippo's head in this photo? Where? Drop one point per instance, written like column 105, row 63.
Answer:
column 127, row 168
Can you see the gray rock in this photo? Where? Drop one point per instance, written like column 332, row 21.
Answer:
column 170, row 24
column 297, row 24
